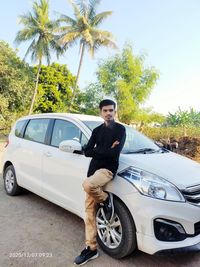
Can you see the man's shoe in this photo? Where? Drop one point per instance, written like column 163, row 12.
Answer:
column 108, row 207
column 86, row 255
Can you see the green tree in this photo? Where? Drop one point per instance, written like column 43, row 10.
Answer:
column 16, row 84
column 125, row 78
column 147, row 116
column 84, row 28
column 54, row 89
column 90, row 99
column 40, row 30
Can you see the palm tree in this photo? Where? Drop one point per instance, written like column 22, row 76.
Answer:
column 39, row 29
column 84, row 28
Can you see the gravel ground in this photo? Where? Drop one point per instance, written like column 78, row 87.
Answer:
column 37, row 233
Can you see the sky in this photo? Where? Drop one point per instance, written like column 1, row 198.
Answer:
column 167, row 32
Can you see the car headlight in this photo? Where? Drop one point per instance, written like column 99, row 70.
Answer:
column 151, row 185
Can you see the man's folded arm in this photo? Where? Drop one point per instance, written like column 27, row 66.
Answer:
column 101, row 153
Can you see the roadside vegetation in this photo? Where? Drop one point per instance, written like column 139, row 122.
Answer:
column 181, row 130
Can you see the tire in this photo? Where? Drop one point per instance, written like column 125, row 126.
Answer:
column 10, row 182
column 121, row 227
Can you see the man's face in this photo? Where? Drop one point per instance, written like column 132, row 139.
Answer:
column 108, row 113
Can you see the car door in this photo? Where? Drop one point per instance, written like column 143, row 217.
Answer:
column 30, row 154
column 63, row 172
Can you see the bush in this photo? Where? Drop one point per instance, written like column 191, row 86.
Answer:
column 170, row 132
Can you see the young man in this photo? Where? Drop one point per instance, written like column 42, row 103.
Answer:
column 104, row 147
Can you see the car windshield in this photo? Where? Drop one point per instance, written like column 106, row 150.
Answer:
column 135, row 141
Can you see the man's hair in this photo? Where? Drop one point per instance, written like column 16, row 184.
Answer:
column 107, row 102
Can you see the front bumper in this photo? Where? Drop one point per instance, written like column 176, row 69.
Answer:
column 187, row 249
column 145, row 210
column 151, row 245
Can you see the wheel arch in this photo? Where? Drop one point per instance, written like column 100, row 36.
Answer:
column 119, row 199
column 7, row 163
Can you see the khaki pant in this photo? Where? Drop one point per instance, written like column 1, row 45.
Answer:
column 94, row 194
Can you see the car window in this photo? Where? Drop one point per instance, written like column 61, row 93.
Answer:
column 84, row 140
column 19, row 128
column 136, row 140
column 92, row 124
column 64, row 130
column 36, row 130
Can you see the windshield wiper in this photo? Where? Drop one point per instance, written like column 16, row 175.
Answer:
column 143, row 150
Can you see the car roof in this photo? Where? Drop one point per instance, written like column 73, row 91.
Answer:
column 81, row 117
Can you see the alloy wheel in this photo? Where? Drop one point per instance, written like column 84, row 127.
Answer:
column 9, row 180
column 110, row 232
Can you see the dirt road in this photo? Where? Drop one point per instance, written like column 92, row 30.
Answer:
column 35, row 232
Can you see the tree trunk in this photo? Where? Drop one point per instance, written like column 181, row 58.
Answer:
column 36, row 87
column 77, row 76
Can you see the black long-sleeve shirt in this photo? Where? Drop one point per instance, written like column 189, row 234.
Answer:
column 99, row 147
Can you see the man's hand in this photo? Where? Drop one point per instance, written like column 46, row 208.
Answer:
column 116, row 143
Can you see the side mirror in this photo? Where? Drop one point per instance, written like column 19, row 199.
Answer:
column 70, row 146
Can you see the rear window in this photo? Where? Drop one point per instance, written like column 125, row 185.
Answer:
column 19, row 128
column 36, row 130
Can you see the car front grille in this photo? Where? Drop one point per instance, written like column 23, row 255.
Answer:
column 192, row 194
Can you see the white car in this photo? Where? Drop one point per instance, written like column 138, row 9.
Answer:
column 156, row 192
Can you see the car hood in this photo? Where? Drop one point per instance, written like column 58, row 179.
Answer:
column 177, row 169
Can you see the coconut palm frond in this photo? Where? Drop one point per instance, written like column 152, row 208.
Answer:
column 30, row 49
column 83, row 7
column 77, row 12
column 53, row 25
column 46, row 52
column 87, row 37
column 104, row 36
column 25, row 35
column 27, row 20
column 99, row 18
column 70, row 44
column 67, row 19
column 92, row 8
column 55, row 46
column 69, row 37
column 64, row 29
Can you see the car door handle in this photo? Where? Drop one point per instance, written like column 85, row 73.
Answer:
column 48, row 154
